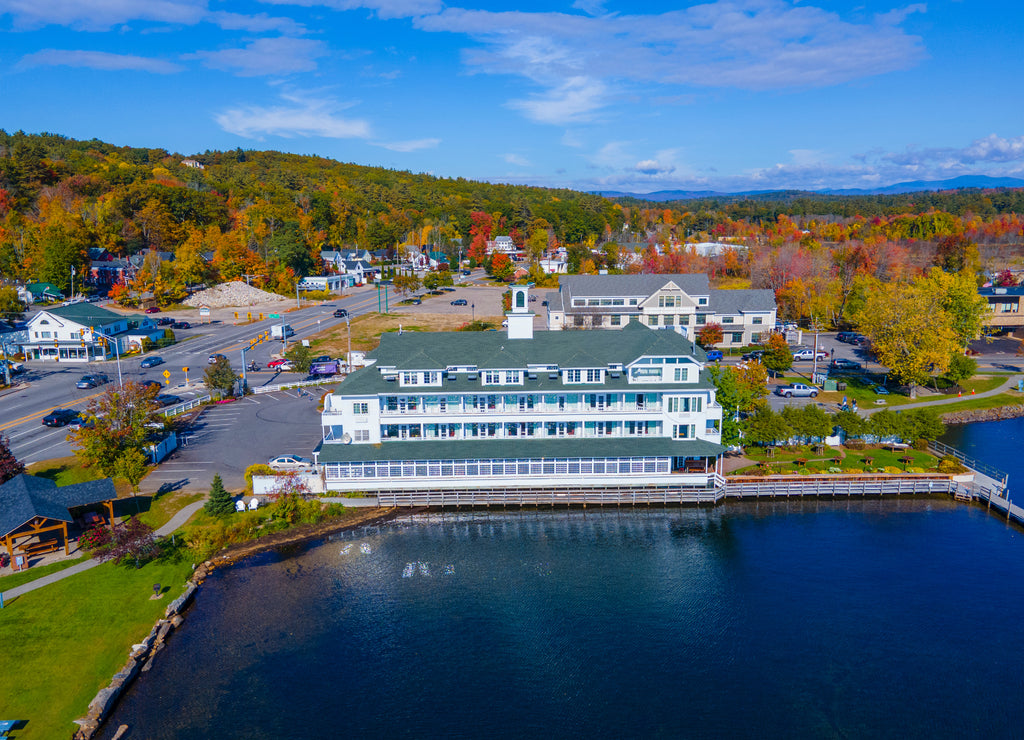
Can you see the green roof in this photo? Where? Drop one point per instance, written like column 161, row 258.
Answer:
column 473, row 449
column 494, row 350
column 86, row 314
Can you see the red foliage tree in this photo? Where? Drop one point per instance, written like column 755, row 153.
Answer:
column 10, row 466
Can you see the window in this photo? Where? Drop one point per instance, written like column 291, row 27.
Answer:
column 645, row 374
column 616, row 320
column 680, row 374
column 652, row 320
column 701, row 319
column 669, row 301
column 755, row 337
column 593, row 376
column 579, row 302
column 758, row 320
column 361, row 435
column 44, row 335
column 632, row 301
column 512, row 376
column 492, row 377
column 685, row 404
column 432, row 378
column 682, row 431
column 410, row 378
column 360, row 408
column 683, row 320
column 737, row 337
column 573, row 376
column 702, row 301
column 728, row 319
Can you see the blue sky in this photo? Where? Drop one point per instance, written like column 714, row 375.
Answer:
column 723, row 95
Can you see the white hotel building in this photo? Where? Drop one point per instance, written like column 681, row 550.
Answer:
column 478, row 411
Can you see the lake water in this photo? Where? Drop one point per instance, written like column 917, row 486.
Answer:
column 854, row 619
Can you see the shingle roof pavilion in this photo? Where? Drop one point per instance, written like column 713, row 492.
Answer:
column 25, row 497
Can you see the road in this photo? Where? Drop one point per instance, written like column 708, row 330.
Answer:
column 46, row 386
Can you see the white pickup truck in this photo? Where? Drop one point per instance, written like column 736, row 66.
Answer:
column 798, row 390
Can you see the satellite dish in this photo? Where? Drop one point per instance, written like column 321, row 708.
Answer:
column 346, row 438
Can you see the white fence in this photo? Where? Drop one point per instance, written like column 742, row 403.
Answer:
column 297, row 384
column 181, row 408
column 271, row 485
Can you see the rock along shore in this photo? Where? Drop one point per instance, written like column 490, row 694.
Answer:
column 994, row 414
column 141, row 655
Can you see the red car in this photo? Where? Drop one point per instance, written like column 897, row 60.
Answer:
column 153, row 309
column 279, row 365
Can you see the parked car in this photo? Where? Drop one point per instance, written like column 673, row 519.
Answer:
column 181, row 325
column 467, row 272
column 91, row 381
column 841, row 363
column 282, row 366
column 846, row 336
column 447, row 289
column 152, row 361
column 147, row 384
column 755, row 355
column 289, row 462
column 214, row 357
column 340, row 313
column 166, row 399
column 460, row 302
column 59, row 417
column 714, row 355
column 153, row 309
column 165, row 321
column 809, row 354
column 321, row 358
column 796, row 390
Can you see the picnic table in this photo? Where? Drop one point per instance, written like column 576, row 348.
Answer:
column 6, row 725
column 37, row 548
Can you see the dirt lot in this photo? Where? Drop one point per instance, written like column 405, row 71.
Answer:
column 435, row 313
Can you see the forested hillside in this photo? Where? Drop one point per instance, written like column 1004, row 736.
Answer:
column 268, row 214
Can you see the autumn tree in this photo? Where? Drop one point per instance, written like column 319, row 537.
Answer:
column 405, row 284
column 710, row 335
column 131, row 465
column 11, row 307
column 911, row 333
column 10, row 466
column 130, row 540
column 117, row 424
column 740, row 391
column 777, row 356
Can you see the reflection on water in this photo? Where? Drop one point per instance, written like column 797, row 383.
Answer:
column 769, row 619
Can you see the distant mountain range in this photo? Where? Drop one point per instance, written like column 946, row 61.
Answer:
column 965, row 181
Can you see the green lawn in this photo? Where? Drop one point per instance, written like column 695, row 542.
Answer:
column 62, row 643
column 785, row 461
column 16, row 579
column 157, row 510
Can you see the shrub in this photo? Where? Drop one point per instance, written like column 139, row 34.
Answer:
column 855, row 444
column 951, row 465
column 256, row 469
column 834, row 469
column 921, row 445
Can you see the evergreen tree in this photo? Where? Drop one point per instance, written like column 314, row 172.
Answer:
column 10, row 466
column 220, row 502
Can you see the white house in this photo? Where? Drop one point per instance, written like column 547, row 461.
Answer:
column 65, row 334
column 684, row 303
column 486, row 410
column 330, row 283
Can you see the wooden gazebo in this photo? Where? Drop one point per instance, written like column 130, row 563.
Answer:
column 31, row 506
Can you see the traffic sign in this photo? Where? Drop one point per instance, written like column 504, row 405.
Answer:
column 275, row 315
column 167, row 373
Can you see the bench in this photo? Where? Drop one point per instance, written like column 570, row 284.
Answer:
column 37, row 548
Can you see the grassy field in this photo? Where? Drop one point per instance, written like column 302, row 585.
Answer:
column 860, row 388
column 67, row 470
column 16, row 579
column 849, row 461
column 157, row 510
column 62, row 643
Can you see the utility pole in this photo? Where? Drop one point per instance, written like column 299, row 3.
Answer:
column 298, row 302
column 72, row 282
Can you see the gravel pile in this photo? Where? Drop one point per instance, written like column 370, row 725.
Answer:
column 226, row 295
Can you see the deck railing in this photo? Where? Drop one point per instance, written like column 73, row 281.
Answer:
column 942, row 449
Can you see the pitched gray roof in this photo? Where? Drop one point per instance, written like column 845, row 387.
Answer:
column 742, row 301
column 520, row 447
column 25, row 497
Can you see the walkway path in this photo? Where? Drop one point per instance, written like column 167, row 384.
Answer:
column 176, row 521
column 1010, row 383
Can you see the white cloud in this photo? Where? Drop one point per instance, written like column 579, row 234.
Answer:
column 102, row 15
column 274, row 56
column 96, row 60
column 517, row 159
column 653, row 167
column 410, row 146
column 573, row 101
column 593, row 7
column 384, row 9
column 746, row 44
column 300, row 116
column 990, row 149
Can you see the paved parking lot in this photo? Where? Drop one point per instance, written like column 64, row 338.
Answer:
column 228, row 438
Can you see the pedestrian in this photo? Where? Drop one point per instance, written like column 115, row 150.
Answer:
column 855, row 405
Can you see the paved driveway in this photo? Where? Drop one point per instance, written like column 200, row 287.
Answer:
column 228, row 438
